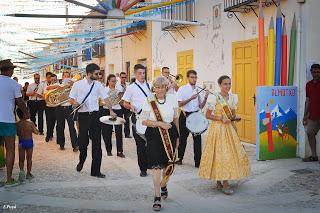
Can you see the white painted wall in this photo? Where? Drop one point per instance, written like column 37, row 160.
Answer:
column 213, row 48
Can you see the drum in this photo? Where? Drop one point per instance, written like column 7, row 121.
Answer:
column 197, row 123
column 108, row 120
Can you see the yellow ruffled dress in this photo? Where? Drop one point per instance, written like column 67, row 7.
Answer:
column 223, row 157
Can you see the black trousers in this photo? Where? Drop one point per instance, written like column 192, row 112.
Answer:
column 63, row 114
column 126, row 116
column 184, row 133
column 107, row 132
column 90, row 128
column 141, row 146
column 51, row 120
column 37, row 108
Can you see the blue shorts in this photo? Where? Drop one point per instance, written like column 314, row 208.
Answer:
column 26, row 143
column 8, row 129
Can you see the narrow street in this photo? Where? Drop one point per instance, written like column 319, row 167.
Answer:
column 274, row 186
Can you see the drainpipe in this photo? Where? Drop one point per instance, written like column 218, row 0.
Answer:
column 301, row 78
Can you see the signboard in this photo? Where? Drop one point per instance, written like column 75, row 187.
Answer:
column 276, row 122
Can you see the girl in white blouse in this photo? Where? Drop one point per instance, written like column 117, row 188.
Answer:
column 156, row 154
column 114, row 111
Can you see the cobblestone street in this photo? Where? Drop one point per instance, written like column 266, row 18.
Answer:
column 274, row 186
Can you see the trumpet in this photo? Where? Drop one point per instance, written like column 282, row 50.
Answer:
column 177, row 78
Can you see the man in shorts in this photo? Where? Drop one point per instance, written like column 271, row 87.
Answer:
column 9, row 99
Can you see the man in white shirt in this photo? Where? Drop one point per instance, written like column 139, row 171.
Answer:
column 126, row 113
column 84, row 95
column 191, row 99
column 10, row 96
column 173, row 86
column 63, row 113
column 36, row 103
column 136, row 93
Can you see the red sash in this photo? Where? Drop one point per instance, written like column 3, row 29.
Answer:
column 166, row 143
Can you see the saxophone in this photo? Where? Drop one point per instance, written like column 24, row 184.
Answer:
column 59, row 95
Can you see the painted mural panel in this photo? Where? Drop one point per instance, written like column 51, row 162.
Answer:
column 276, row 122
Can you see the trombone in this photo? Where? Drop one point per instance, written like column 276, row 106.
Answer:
column 177, row 78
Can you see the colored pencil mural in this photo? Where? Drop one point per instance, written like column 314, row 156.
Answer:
column 262, row 63
column 284, row 60
column 278, row 47
column 271, row 48
column 292, row 57
column 276, row 122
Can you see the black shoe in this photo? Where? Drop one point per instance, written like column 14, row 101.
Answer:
column 196, row 165
column 75, row 149
column 47, row 139
column 143, row 174
column 51, row 138
column 62, row 148
column 179, row 162
column 310, row 159
column 121, row 155
column 41, row 133
column 79, row 167
column 128, row 136
column 109, row 153
column 100, row 175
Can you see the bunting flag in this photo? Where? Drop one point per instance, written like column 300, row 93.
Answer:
column 292, row 54
column 284, row 60
column 262, row 62
column 271, row 48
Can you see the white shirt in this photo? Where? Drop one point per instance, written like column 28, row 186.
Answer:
column 42, row 88
column 34, row 87
column 168, row 109
column 81, row 88
column 185, row 92
column 10, row 90
column 118, row 89
column 135, row 96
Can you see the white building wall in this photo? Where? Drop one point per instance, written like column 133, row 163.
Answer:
column 213, row 48
column 113, row 50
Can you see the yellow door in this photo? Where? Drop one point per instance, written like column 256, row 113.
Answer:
column 156, row 73
column 244, row 80
column 184, row 63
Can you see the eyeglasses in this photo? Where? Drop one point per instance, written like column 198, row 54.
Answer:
column 194, row 77
column 123, row 77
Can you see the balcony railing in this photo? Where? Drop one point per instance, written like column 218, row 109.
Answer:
column 245, row 5
column 138, row 26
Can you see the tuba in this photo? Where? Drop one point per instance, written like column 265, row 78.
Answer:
column 59, row 95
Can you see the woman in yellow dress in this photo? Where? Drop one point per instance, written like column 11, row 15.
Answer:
column 224, row 157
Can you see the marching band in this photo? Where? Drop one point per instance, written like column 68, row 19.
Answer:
column 162, row 114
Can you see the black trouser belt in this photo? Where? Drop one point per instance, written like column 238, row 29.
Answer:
column 88, row 113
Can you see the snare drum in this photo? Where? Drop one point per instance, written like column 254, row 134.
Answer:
column 197, row 123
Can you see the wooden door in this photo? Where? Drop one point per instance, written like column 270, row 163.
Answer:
column 156, row 73
column 245, row 79
column 184, row 63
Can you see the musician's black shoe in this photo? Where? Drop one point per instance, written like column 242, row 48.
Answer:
column 100, row 175
column 121, row 155
column 143, row 174
column 109, row 153
column 79, row 167
column 47, row 139
column 128, row 136
column 179, row 162
column 41, row 133
column 62, row 148
column 196, row 165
